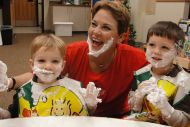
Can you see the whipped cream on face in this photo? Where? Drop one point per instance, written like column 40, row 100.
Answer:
column 38, row 70
column 103, row 49
column 46, row 76
column 166, row 59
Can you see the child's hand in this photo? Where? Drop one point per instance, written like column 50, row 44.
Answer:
column 147, row 86
column 4, row 114
column 3, row 77
column 90, row 95
column 160, row 101
column 136, row 98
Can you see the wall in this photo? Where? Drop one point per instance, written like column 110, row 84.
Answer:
column 47, row 16
column 142, row 19
column 137, row 10
column 39, row 12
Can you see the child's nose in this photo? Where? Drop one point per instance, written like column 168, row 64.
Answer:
column 48, row 66
column 157, row 51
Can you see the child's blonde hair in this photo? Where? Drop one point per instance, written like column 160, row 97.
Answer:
column 49, row 41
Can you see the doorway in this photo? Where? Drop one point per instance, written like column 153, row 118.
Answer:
column 27, row 13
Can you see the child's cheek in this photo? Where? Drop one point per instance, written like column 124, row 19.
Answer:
column 59, row 68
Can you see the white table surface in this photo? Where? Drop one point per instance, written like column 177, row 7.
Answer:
column 53, row 121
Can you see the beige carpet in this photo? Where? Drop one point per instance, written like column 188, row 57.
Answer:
column 16, row 57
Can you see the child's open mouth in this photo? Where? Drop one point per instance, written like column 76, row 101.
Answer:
column 156, row 58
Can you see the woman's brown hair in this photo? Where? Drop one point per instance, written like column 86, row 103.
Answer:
column 118, row 11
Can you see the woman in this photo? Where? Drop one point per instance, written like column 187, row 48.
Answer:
column 103, row 59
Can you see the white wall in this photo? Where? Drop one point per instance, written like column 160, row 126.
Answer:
column 168, row 11
column 47, row 15
column 137, row 10
column 39, row 12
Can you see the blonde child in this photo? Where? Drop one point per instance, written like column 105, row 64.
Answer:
column 48, row 94
column 162, row 91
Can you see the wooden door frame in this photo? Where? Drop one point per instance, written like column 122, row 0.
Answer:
column 6, row 13
column 42, row 24
column 37, row 9
column 189, row 12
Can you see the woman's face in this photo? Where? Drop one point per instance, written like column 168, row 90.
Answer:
column 103, row 29
column 160, row 51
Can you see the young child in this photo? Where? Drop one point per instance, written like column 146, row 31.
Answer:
column 162, row 91
column 48, row 94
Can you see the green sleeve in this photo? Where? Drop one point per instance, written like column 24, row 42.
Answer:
column 138, row 78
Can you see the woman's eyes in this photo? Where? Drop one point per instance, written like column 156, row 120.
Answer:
column 93, row 24
column 106, row 28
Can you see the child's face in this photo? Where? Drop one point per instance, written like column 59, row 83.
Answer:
column 160, row 51
column 47, row 64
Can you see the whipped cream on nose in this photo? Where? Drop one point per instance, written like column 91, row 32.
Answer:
column 103, row 49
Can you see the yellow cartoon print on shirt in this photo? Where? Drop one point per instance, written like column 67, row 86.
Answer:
column 53, row 101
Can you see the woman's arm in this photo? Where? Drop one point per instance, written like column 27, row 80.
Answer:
column 17, row 81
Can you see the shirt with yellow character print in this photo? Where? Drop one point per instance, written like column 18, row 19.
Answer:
column 176, row 88
column 57, row 99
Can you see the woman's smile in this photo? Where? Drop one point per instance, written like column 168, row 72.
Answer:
column 97, row 44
